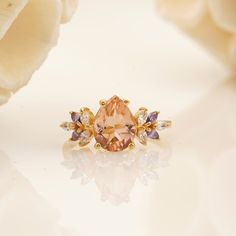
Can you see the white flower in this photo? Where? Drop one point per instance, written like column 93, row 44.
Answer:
column 28, row 30
column 211, row 22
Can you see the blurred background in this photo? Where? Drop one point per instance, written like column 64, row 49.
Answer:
column 123, row 48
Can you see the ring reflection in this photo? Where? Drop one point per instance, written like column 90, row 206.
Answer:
column 115, row 173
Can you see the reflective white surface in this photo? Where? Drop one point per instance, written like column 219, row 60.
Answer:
column 121, row 48
column 115, row 173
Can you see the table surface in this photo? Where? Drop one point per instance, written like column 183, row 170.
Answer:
column 184, row 185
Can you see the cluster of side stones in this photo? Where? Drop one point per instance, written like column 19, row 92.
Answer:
column 148, row 125
column 81, row 126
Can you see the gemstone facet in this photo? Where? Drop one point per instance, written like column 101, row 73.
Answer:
column 142, row 136
column 162, row 124
column 142, row 117
column 75, row 136
column 86, row 117
column 152, row 117
column 66, row 126
column 115, row 126
column 153, row 134
column 75, row 116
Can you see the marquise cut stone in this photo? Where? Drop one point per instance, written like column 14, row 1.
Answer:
column 142, row 117
column 115, row 126
column 153, row 134
column 75, row 117
column 152, row 117
column 75, row 136
column 66, row 126
column 142, row 136
column 162, row 124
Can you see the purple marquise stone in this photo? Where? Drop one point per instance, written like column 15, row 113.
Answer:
column 152, row 117
column 153, row 134
column 75, row 117
column 75, row 136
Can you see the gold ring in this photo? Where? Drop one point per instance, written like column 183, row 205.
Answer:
column 114, row 127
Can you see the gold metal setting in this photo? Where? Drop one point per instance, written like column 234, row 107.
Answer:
column 97, row 146
column 131, row 145
column 102, row 102
column 127, row 102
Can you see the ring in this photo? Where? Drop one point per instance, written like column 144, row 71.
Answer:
column 114, row 127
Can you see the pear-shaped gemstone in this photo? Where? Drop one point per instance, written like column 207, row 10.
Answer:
column 114, row 126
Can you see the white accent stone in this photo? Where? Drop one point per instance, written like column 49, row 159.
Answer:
column 142, row 117
column 85, row 118
column 161, row 124
column 142, row 136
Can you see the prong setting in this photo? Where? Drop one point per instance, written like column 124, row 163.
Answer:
column 83, row 109
column 131, row 145
column 126, row 102
column 142, row 109
column 97, row 146
column 102, row 102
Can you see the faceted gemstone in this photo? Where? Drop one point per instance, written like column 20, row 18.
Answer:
column 75, row 117
column 152, row 117
column 153, row 134
column 66, row 126
column 142, row 136
column 85, row 137
column 87, row 117
column 142, row 117
column 75, row 136
column 114, row 126
column 161, row 124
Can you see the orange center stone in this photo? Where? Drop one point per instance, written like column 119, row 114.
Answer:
column 114, row 125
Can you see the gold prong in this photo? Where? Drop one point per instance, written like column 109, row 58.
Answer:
column 67, row 126
column 79, row 124
column 72, row 126
column 143, row 109
column 168, row 123
column 126, row 102
column 148, row 124
column 62, row 125
column 148, row 129
column 102, row 102
column 97, row 146
column 82, row 109
column 87, row 126
column 83, row 144
column 132, row 145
